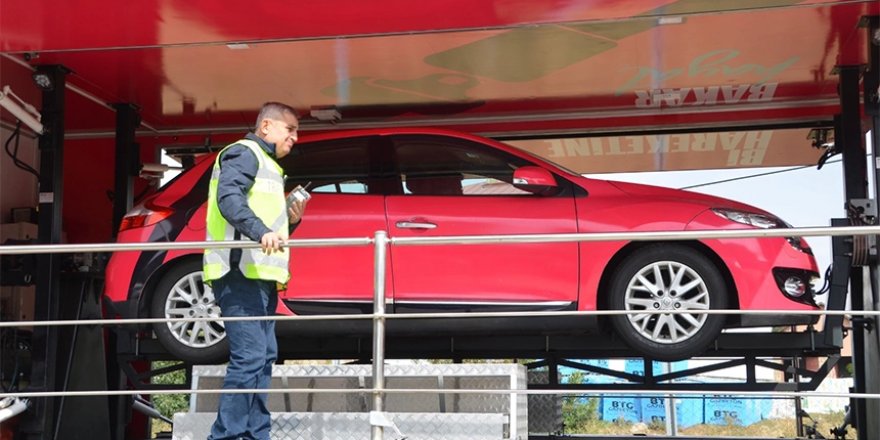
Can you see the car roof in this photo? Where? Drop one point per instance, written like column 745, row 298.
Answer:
column 389, row 131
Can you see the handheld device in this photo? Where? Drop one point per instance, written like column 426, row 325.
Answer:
column 298, row 194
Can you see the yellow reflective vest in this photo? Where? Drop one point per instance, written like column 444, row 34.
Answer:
column 266, row 199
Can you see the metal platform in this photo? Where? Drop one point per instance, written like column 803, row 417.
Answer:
column 345, row 415
column 754, row 350
column 356, row 426
column 515, row 346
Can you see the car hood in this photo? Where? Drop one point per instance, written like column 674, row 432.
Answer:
column 679, row 195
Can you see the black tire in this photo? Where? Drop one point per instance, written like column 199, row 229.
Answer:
column 197, row 342
column 668, row 337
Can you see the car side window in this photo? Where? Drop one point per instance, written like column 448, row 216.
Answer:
column 438, row 166
column 340, row 166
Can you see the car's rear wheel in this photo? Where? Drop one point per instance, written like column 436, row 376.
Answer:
column 182, row 294
column 668, row 277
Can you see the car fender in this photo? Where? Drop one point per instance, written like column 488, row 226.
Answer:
column 750, row 262
column 606, row 205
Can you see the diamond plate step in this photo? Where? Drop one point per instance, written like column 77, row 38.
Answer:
column 356, row 426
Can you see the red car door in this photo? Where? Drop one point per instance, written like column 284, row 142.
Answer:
column 335, row 279
column 459, row 187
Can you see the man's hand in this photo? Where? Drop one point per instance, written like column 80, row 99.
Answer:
column 271, row 242
column 295, row 211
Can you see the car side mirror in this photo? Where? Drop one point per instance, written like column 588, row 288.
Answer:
column 534, row 179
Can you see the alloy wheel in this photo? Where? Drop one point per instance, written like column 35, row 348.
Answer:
column 667, row 285
column 191, row 298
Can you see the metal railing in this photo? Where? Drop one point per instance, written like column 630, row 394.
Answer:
column 381, row 241
column 818, row 231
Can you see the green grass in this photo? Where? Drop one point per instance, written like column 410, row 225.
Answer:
column 168, row 404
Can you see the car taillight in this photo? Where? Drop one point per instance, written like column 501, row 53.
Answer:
column 144, row 215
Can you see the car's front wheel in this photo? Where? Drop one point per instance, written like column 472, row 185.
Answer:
column 668, row 277
column 182, row 294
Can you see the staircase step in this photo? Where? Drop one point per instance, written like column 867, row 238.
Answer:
column 356, row 426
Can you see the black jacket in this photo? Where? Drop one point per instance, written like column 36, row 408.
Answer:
column 238, row 169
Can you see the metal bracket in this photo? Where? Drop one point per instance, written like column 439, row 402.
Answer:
column 866, row 209
column 863, row 212
column 380, row 418
column 867, row 324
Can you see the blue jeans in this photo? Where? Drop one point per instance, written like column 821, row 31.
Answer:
column 253, row 350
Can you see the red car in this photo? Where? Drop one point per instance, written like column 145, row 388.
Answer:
column 427, row 182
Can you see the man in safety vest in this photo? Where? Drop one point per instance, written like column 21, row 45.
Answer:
column 246, row 201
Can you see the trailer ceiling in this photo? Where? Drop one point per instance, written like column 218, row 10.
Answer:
column 500, row 66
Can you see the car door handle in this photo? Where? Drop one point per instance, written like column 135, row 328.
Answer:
column 415, row 225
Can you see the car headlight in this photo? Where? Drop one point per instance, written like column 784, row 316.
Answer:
column 763, row 221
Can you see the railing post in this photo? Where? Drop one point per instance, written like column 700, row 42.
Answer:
column 380, row 244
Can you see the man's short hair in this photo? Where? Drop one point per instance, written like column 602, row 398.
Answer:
column 274, row 110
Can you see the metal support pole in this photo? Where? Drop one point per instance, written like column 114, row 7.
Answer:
column 796, row 377
column 869, row 426
column 855, row 175
column 381, row 248
column 127, row 155
column 671, row 416
column 39, row 422
column 841, row 249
